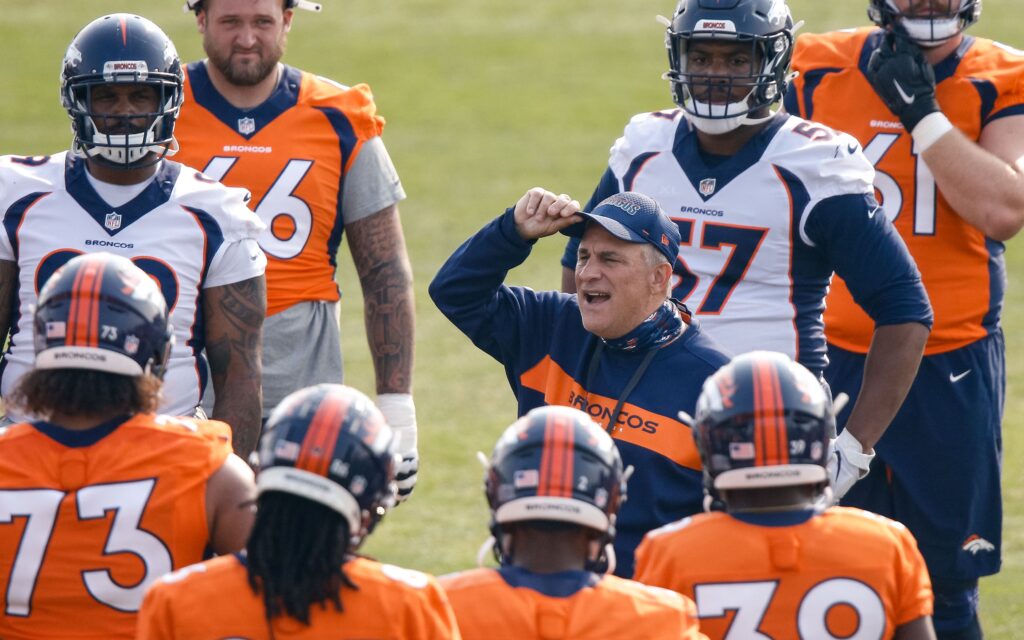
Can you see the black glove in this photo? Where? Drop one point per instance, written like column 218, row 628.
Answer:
column 903, row 79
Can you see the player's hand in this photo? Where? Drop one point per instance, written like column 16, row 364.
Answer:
column 903, row 79
column 847, row 462
column 540, row 213
column 400, row 414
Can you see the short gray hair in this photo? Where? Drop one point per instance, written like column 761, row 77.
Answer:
column 654, row 258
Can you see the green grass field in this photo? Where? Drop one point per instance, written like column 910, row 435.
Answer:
column 484, row 100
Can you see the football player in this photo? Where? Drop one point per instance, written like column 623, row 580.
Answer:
column 99, row 497
column 768, row 207
column 310, row 151
column 327, row 469
column 777, row 563
column 116, row 191
column 554, row 485
column 941, row 115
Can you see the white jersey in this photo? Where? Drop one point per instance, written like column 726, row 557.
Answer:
column 187, row 232
column 742, row 222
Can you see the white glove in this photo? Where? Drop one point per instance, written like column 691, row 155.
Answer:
column 847, row 462
column 400, row 414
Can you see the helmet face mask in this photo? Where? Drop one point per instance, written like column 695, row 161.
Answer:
column 763, row 422
column 555, row 465
column 330, row 444
column 756, row 39
column 106, row 56
column 928, row 23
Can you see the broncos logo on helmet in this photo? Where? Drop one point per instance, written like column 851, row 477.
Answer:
column 330, row 444
column 100, row 311
column 763, row 420
column 555, row 464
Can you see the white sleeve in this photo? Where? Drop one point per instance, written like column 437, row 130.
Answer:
column 7, row 181
column 235, row 262
column 645, row 132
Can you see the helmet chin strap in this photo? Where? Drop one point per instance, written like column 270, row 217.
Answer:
column 485, row 549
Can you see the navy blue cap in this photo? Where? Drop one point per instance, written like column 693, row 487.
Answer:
column 633, row 217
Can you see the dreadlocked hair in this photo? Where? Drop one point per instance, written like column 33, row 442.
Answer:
column 295, row 555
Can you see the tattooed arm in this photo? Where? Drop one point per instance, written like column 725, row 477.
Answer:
column 234, row 337
column 8, row 287
column 378, row 250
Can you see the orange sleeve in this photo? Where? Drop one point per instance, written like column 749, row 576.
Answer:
column 794, row 100
column 816, row 55
column 355, row 102
column 429, row 615
column 155, row 621
column 1009, row 80
column 218, row 435
column 915, row 597
column 654, row 562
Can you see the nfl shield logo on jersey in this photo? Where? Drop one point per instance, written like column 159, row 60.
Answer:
column 707, row 186
column 112, row 221
column 246, row 126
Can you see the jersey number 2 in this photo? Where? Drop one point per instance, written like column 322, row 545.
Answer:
column 40, row 508
column 288, row 217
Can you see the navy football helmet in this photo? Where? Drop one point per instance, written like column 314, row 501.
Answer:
column 330, row 444
column 766, row 25
column 122, row 48
column 926, row 24
column 763, row 421
column 555, row 464
column 101, row 312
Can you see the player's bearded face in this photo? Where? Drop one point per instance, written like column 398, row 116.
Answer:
column 927, row 8
column 245, row 41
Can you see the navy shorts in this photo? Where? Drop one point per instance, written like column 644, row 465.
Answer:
column 937, row 466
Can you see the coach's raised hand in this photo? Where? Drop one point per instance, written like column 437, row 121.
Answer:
column 540, row 213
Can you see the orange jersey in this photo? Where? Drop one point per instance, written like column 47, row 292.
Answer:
column 836, row 573
column 514, row 603
column 86, row 526
column 292, row 153
column 390, row 603
column 962, row 270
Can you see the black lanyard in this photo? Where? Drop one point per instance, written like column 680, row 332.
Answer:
column 595, row 363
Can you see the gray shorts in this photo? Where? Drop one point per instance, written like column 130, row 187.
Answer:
column 301, row 347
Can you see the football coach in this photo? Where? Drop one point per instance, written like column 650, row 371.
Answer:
column 621, row 349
